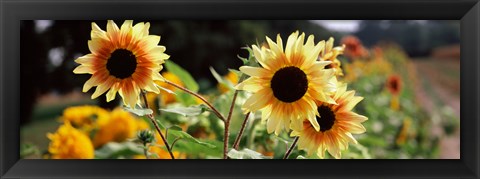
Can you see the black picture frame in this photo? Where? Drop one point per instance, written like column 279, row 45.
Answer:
column 13, row 11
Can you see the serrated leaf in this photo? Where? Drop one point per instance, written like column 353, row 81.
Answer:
column 115, row 150
column 246, row 154
column 187, row 137
column 183, row 75
column 187, row 111
column 139, row 112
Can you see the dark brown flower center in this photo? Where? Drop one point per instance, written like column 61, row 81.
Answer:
column 122, row 63
column 394, row 85
column 289, row 84
column 329, row 66
column 326, row 119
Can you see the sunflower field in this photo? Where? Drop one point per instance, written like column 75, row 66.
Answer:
column 296, row 95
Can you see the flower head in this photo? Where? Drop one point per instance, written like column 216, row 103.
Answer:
column 394, row 84
column 288, row 82
column 118, row 127
column 123, row 60
column 83, row 116
column 337, row 124
column 353, row 47
column 330, row 53
column 70, row 143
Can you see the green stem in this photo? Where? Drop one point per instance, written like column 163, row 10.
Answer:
column 152, row 118
column 227, row 126
column 145, row 150
column 289, row 151
column 240, row 133
column 215, row 111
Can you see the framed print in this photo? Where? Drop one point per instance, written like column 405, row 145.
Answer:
column 320, row 89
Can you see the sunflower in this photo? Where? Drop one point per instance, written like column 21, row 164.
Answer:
column 126, row 60
column 120, row 126
column 83, row 116
column 330, row 53
column 353, row 47
column 70, row 143
column 337, row 124
column 394, row 84
column 288, row 83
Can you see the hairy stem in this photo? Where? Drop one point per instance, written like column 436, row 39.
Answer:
column 291, row 148
column 240, row 133
column 227, row 126
column 199, row 97
column 152, row 118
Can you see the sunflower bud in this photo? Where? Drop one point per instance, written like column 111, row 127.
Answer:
column 145, row 136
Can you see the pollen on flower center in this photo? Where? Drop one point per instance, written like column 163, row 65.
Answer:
column 122, row 63
column 326, row 119
column 289, row 84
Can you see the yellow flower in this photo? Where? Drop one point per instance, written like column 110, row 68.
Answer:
column 70, row 143
column 288, row 83
column 330, row 54
column 403, row 134
column 83, row 116
column 124, row 60
column 155, row 101
column 337, row 124
column 354, row 70
column 232, row 78
column 120, row 126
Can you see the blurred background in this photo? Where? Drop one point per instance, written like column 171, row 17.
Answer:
column 408, row 71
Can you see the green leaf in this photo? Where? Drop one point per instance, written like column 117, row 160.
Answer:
column 185, row 98
column 183, row 74
column 201, row 151
column 220, row 79
column 115, row 150
column 139, row 112
column 175, row 127
column 246, row 154
column 244, row 60
column 187, row 111
column 187, row 137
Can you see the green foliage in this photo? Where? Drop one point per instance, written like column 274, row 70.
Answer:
column 246, row 154
column 221, row 80
column 179, row 134
column 139, row 111
column 183, row 74
column 118, row 150
column 188, row 111
column 27, row 150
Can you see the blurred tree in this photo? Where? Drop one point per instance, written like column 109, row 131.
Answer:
column 418, row 38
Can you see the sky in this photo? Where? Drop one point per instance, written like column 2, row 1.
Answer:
column 347, row 26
